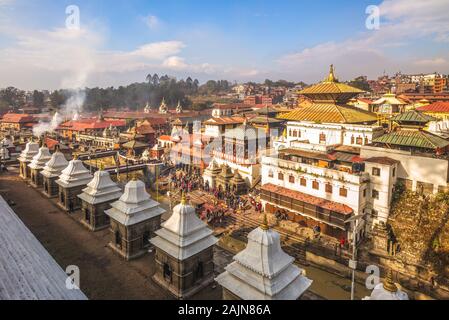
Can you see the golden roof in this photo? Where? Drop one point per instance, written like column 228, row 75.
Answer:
column 331, row 86
column 330, row 113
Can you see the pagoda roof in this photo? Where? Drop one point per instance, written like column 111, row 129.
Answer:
column 56, row 164
column 134, row 144
column 330, row 113
column 135, row 205
column 101, row 189
column 331, row 89
column 389, row 98
column 414, row 117
column 413, row 138
column 184, row 234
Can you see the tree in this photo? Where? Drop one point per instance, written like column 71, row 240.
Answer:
column 360, row 83
column 38, row 98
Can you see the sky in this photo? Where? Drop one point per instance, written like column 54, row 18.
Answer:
column 120, row 42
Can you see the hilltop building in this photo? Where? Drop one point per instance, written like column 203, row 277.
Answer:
column 184, row 252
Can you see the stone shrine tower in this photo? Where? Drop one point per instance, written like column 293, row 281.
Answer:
column 263, row 271
column 51, row 172
column 37, row 165
column 72, row 181
column 387, row 290
column 184, row 253
column 134, row 218
column 96, row 198
column 27, row 155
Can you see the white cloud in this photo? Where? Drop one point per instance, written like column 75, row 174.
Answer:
column 432, row 62
column 402, row 22
column 152, row 22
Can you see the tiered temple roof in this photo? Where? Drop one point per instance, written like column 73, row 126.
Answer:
column 54, row 167
column 135, row 205
column 263, row 271
column 329, row 104
column 101, row 189
column 31, row 149
column 40, row 159
column 74, row 175
column 411, row 134
column 184, row 234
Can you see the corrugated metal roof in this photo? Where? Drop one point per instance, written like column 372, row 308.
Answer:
column 413, row 116
column 330, row 88
column 437, row 107
column 330, row 113
column 413, row 138
column 27, row 271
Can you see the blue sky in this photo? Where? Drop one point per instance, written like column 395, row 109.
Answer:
column 121, row 41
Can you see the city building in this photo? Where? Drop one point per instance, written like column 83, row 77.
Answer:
column 184, row 252
column 17, row 121
column 134, row 218
column 71, row 182
column 96, row 198
column 263, row 271
column 51, row 172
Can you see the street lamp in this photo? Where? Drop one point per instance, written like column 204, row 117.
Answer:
column 353, row 261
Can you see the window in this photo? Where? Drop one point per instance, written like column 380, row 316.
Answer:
column 280, row 176
column 146, row 238
column 322, row 138
column 328, row 188
column 343, row 192
column 352, row 140
column 270, row 174
column 315, row 185
column 118, row 239
column 199, row 271
column 374, row 213
column 291, row 179
column 375, row 194
column 364, row 193
column 394, row 172
column 303, row 182
column 376, row 172
column 359, row 141
column 295, row 133
column 366, row 140
column 167, row 272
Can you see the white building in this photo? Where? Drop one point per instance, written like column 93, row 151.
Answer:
column 387, row 290
column 263, row 271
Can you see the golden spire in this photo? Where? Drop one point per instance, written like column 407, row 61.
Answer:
column 134, row 176
column 331, row 77
column 264, row 226
column 101, row 166
column 183, row 198
column 284, row 133
column 75, row 156
column 388, row 282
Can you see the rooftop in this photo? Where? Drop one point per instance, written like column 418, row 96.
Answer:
column 437, row 107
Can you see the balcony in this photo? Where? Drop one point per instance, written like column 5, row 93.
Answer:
column 337, row 173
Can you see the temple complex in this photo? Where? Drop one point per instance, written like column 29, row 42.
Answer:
column 263, row 271
column 71, row 182
column 184, row 252
column 27, row 155
column 96, row 198
column 37, row 165
column 51, row 172
column 134, row 219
